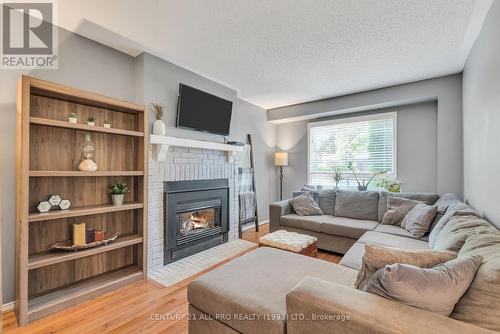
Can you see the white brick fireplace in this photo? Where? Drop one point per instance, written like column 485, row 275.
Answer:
column 181, row 164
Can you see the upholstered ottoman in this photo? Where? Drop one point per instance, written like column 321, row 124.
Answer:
column 248, row 294
column 292, row 242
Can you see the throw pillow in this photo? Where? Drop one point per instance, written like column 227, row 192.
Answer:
column 314, row 194
column 305, row 205
column 377, row 257
column 419, row 219
column 435, row 289
column 397, row 208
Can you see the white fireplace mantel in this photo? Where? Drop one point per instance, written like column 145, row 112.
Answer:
column 164, row 142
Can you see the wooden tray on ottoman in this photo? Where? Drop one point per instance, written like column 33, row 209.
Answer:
column 287, row 241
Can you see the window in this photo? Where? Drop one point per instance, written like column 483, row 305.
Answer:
column 368, row 141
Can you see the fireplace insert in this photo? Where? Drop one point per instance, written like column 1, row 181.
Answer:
column 195, row 216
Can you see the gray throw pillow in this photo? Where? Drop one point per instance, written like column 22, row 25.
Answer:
column 419, row 219
column 436, row 289
column 377, row 257
column 305, row 205
column 314, row 194
column 397, row 208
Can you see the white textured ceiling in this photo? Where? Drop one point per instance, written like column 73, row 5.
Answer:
column 282, row 52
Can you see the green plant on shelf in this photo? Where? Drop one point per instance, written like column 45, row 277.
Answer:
column 73, row 115
column 91, row 119
column 118, row 188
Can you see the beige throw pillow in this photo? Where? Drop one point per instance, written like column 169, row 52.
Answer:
column 305, row 205
column 435, row 289
column 397, row 208
column 377, row 257
column 419, row 219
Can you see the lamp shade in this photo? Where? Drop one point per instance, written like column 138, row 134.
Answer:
column 281, row 158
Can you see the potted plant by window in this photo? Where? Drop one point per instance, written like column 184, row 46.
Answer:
column 91, row 121
column 107, row 124
column 393, row 186
column 337, row 175
column 158, row 125
column 363, row 185
column 73, row 117
column 117, row 191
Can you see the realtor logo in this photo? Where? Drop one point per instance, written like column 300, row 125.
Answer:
column 29, row 36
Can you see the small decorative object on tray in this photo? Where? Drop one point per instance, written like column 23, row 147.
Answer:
column 89, row 235
column 69, row 246
column 79, row 234
column 54, row 202
column 98, row 236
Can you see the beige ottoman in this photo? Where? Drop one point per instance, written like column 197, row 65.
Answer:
column 292, row 242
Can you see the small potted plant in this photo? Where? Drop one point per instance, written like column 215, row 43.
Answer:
column 117, row 191
column 73, row 118
column 337, row 175
column 91, row 121
column 107, row 124
column 158, row 125
column 393, row 186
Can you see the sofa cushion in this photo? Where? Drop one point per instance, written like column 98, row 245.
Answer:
column 305, row 205
column 347, row 227
column 354, row 256
column 456, row 232
column 377, row 257
column 257, row 283
column 310, row 223
column 356, row 204
column 426, row 198
column 435, row 289
column 455, row 209
column 396, row 230
column 397, row 208
column 389, row 240
column 481, row 303
column 419, row 219
column 326, row 201
column 445, row 200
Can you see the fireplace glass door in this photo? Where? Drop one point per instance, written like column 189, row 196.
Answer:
column 197, row 221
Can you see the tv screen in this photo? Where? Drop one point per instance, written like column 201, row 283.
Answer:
column 198, row 110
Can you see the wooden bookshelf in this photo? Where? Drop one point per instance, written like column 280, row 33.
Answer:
column 48, row 154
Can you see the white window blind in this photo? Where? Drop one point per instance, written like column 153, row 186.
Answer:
column 368, row 141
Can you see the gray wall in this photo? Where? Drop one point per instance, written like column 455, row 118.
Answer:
column 481, row 113
column 92, row 66
column 161, row 80
column 416, row 151
column 446, row 91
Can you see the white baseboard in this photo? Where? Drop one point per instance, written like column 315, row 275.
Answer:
column 250, row 226
column 8, row 307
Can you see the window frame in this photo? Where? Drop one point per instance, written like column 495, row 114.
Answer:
column 355, row 119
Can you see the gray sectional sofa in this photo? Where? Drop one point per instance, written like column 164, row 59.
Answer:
column 273, row 291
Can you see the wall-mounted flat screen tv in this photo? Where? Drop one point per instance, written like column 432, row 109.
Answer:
column 201, row 111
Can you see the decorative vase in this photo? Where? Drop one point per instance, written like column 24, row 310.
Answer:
column 87, row 165
column 107, row 126
column 91, row 123
column 117, row 199
column 159, row 128
column 362, row 188
column 73, row 120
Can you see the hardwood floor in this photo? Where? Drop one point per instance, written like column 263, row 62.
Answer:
column 142, row 307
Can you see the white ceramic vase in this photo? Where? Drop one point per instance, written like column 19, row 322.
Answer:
column 159, row 128
column 87, row 165
column 73, row 120
column 117, row 199
column 107, row 125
